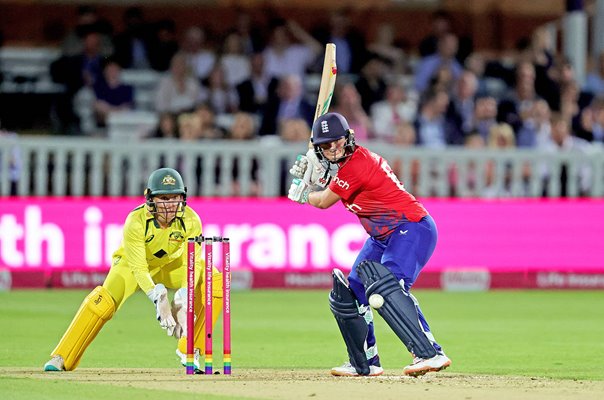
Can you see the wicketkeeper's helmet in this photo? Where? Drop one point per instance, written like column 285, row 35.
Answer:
column 329, row 128
column 165, row 181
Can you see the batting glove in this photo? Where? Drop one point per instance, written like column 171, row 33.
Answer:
column 159, row 296
column 299, row 191
column 310, row 169
column 299, row 167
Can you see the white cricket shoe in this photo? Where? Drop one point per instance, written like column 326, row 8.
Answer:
column 348, row 370
column 421, row 366
column 196, row 359
column 56, row 363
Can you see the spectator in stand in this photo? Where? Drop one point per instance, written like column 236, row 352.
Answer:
column 484, row 117
column 76, row 72
column 348, row 104
column 163, row 45
column 474, row 142
column 563, row 141
column 384, row 45
column 476, row 63
column 179, row 90
column 234, row 62
column 501, row 137
column 559, row 78
column 200, row 55
column 216, row 92
column 350, row 43
column 289, row 103
column 517, row 103
column 208, row 129
column 405, row 136
column 371, row 84
column 463, row 102
column 283, row 56
column 167, row 127
column 189, row 126
column 132, row 44
column 396, row 108
column 538, row 51
column 592, row 122
column 110, row 93
column 572, row 103
column 594, row 82
column 536, row 129
column 249, row 33
column 88, row 20
column 428, row 66
column 443, row 79
column 244, row 128
column 440, row 25
column 254, row 92
column 434, row 129
column 294, row 131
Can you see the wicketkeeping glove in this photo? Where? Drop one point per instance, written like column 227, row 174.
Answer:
column 310, row 169
column 179, row 312
column 159, row 296
column 298, row 191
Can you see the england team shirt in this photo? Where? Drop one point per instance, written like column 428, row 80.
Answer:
column 370, row 189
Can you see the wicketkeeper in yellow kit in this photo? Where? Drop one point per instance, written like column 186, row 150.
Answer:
column 152, row 256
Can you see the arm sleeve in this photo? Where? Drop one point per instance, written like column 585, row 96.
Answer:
column 134, row 248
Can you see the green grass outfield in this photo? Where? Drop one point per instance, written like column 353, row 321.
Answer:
column 552, row 334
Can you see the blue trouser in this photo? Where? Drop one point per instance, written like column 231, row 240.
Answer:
column 404, row 252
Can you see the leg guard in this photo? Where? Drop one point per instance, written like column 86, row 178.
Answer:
column 398, row 310
column 352, row 325
column 96, row 309
column 200, row 322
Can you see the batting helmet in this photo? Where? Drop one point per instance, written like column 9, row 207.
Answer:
column 329, row 128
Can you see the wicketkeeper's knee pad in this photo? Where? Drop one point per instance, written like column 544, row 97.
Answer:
column 200, row 321
column 96, row 309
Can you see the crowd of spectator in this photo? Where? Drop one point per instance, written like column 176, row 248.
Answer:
column 441, row 94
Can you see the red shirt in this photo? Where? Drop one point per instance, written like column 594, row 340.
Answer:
column 370, row 189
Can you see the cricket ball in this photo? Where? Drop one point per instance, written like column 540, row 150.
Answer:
column 376, row 301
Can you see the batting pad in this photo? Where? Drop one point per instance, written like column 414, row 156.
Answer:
column 96, row 309
column 399, row 310
column 353, row 326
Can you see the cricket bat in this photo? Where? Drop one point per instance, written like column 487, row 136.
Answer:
column 328, row 83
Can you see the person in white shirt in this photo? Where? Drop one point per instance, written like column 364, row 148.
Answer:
column 395, row 109
column 284, row 57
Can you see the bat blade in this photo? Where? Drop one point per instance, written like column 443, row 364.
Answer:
column 328, row 83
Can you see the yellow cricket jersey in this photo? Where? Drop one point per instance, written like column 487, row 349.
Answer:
column 146, row 247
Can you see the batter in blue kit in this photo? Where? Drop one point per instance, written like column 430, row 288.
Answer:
column 402, row 238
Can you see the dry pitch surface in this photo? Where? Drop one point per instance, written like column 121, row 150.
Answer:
column 305, row 384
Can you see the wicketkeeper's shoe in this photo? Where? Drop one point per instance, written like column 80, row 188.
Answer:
column 348, row 370
column 56, row 363
column 422, row 366
column 196, row 359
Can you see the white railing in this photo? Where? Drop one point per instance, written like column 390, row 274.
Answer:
column 58, row 166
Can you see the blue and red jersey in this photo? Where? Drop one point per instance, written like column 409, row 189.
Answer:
column 370, row 189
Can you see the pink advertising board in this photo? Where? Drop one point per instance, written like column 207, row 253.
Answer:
column 275, row 235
